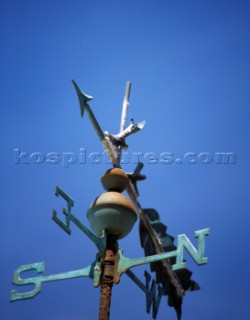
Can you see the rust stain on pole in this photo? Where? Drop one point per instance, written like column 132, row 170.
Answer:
column 109, row 265
column 106, row 291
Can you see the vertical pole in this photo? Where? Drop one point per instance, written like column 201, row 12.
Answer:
column 107, row 278
column 125, row 106
column 124, row 114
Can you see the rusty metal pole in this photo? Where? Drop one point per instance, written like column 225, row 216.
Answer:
column 109, row 264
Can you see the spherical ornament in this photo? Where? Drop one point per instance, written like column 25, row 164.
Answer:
column 115, row 179
column 112, row 212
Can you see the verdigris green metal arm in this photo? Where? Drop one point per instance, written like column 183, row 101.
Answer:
column 122, row 265
column 100, row 242
column 183, row 242
column 92, row 271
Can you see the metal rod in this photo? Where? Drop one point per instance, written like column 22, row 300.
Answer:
column 108, row 273
column 125, row 106
column 95, row 123
column 124, row 114
column 133, row 196
column 105, row 300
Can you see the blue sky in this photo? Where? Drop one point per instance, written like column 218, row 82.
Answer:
column 188, row 62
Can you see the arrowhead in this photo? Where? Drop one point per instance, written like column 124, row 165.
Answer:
column 83, row 98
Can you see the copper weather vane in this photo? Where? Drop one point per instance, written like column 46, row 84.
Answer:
column 111, row 217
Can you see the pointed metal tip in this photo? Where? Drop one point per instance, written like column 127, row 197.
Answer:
column 141, row 124
column 83, row 97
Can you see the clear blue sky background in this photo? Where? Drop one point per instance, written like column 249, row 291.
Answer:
column 188, row 62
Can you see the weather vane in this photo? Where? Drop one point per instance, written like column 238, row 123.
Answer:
column 112, row 216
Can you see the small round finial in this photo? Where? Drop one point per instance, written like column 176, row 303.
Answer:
column 115, row 179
